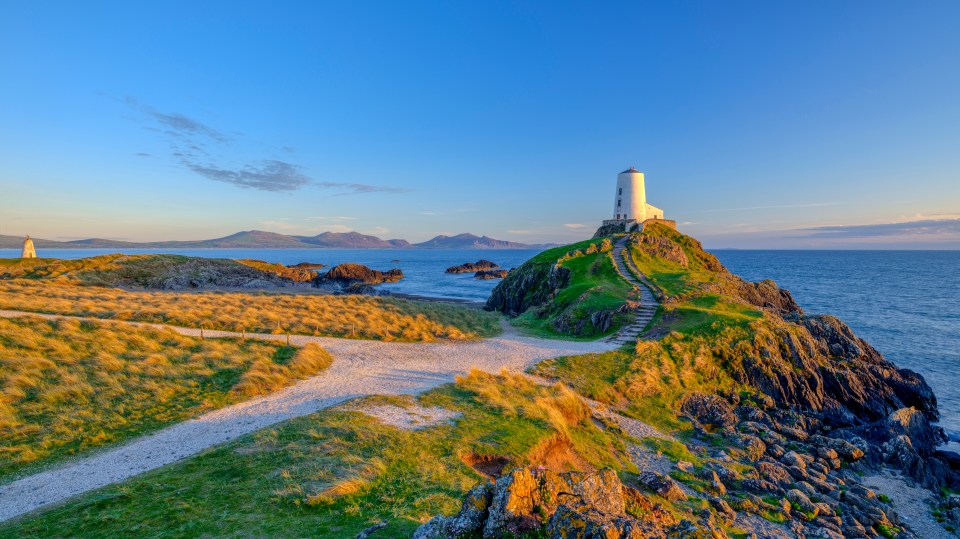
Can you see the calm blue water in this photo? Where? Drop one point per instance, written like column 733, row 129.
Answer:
column 423, row 269
column 904, row 303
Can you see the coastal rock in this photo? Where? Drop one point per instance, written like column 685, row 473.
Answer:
column 473, row 267
column 355, row 279
column 527, row 286
column 484, row 275
column 300, row 273
column 663, row 485
column 471, row 518
column 710, row 411
column 569, row 505
column 767, row 295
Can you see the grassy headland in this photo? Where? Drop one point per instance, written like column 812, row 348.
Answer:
column 573, row 291
column 69, row 386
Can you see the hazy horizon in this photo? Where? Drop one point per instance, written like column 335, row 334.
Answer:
column 815, row 125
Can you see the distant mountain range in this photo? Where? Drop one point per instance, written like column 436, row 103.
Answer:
column 258, row 239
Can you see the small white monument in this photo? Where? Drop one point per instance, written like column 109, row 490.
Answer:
column 630, row 208
column 28, row 249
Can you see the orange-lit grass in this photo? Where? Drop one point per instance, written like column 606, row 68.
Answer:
column 67, row 386
column 307, row 314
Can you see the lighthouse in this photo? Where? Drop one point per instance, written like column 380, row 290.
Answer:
column 631, row 200
column 630, row 208
column 28, row 249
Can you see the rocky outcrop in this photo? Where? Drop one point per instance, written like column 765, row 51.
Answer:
column 473, row 267
column 173, row 272
column 767, row 295
column 355, row 279
column 300, row 273
column 484, row 275
column 661, row 247
column 562, row 505
column 530, row 284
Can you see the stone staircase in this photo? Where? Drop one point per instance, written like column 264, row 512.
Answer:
column 648, row 302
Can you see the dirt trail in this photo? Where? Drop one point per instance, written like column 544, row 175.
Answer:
column 360, row 368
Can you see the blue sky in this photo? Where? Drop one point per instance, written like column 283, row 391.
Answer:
column 758, row 124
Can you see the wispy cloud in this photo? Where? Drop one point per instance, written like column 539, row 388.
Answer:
column 266, row 176
column 203, row 150
column 356, row 188
column 777, row 206
column 574, row 226
column 930, row 228
column 178, row 123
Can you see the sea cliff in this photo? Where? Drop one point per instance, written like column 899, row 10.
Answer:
column 768, row 421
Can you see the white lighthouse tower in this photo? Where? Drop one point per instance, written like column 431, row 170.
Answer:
column 630, row 207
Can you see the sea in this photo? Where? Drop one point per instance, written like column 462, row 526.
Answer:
column 423, row 269
column 904, row 303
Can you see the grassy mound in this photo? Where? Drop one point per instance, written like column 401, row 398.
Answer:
column 568, row 291
column 70, row 386
column 156, row 271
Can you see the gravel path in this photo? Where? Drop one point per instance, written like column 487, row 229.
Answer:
column 360, row 368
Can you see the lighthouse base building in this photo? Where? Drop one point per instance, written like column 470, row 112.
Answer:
column 631, row 212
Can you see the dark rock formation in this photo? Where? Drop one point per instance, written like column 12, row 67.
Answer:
column 528, row 285
column 563, row 505
column 355, row 279
column 767, row 295
column 473, row 267
column 308, row 265
column 484, row 275
column 301, row 273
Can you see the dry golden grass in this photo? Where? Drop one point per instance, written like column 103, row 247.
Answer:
column 362, row 317
column 516, row 394
column 69, row 385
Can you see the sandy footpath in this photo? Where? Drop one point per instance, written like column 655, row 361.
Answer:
column 360, row 368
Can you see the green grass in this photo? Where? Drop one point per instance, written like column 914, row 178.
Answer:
column 672, row 449
column 594, row 286
column 69, row 387
column 334, row 473
column 708, row 314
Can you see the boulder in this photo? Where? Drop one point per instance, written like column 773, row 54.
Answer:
column 473, row 267
column 709, row 410
column 484, row 275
